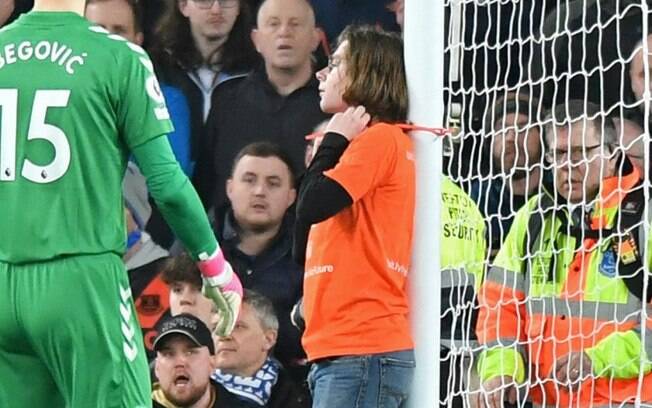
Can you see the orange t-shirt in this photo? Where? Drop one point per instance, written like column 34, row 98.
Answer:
column 355, row 294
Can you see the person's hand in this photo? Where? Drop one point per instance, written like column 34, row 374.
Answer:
column 349, row 123
column 496, row 390
column 222, row 286
column 573, row 368
column 296, row 316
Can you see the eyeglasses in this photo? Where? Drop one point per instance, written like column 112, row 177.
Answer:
column 577, row 154
column 206, row 4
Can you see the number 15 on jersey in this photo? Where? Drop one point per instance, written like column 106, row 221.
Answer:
column 38, row 129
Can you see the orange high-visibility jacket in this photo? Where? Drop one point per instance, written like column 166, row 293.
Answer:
column 527, row 320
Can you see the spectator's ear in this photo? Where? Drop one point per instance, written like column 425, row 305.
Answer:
column 182, row 4
column 292, row 196
column 156, row 368
column 229, row 188
column 270, row 339
column 139, row 38
column 317, row 34
column 254, row 38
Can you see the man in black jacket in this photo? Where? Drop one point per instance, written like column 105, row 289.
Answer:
column 255, row 234
column 278, row 102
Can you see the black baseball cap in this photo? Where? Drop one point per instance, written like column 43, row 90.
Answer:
column 188, row 325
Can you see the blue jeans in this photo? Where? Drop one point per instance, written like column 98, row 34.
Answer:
column 368, row 381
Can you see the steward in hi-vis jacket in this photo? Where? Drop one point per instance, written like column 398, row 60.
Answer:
column 561, row 308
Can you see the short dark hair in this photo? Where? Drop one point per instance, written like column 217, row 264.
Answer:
column 376, row 68
column 517, row 102
column 265, row 149
column 136, row 10
column 181, row 269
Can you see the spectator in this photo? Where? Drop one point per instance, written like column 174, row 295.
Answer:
column 123, row 17
column 244, row 363
column 516, row 154
column 62, row 219
column 185, row 284
column 144, row 259
column 6, row 9
column 558, row 299
column 256, row 235
column 278, row 102
column 183, row 365
column 358, row 195
column 637, row 68
column 198, row 45
column 10, row 10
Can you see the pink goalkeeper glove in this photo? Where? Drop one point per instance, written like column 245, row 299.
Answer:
column 223, row 287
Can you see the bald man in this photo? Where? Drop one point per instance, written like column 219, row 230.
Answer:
column 285, row 36
column 278, row 102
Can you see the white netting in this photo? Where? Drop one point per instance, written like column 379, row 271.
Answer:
column 561, row 288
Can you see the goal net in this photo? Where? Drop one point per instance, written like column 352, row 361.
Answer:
column 550, row 103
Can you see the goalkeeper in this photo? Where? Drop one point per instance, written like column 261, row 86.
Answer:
column 75, row 103
column 564, row 298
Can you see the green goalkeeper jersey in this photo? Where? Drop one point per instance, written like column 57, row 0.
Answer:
column 74, row 100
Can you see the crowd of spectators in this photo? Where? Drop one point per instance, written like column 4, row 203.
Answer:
column 543, row 233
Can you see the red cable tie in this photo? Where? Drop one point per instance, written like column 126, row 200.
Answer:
column 403, row 126
column 435, row 131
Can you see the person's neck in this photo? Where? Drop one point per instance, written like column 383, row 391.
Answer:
column 206, row 400
column 526, row 185
column 286, row 81
column 208, row 48
column 249, row 371
column 75, row 6
column 253, row 243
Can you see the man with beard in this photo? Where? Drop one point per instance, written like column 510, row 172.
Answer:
column 515, row 145
column 257, row 239
column 184, row 363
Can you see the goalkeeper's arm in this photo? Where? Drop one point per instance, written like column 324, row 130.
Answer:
column 182, row 209
column 175, row 196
